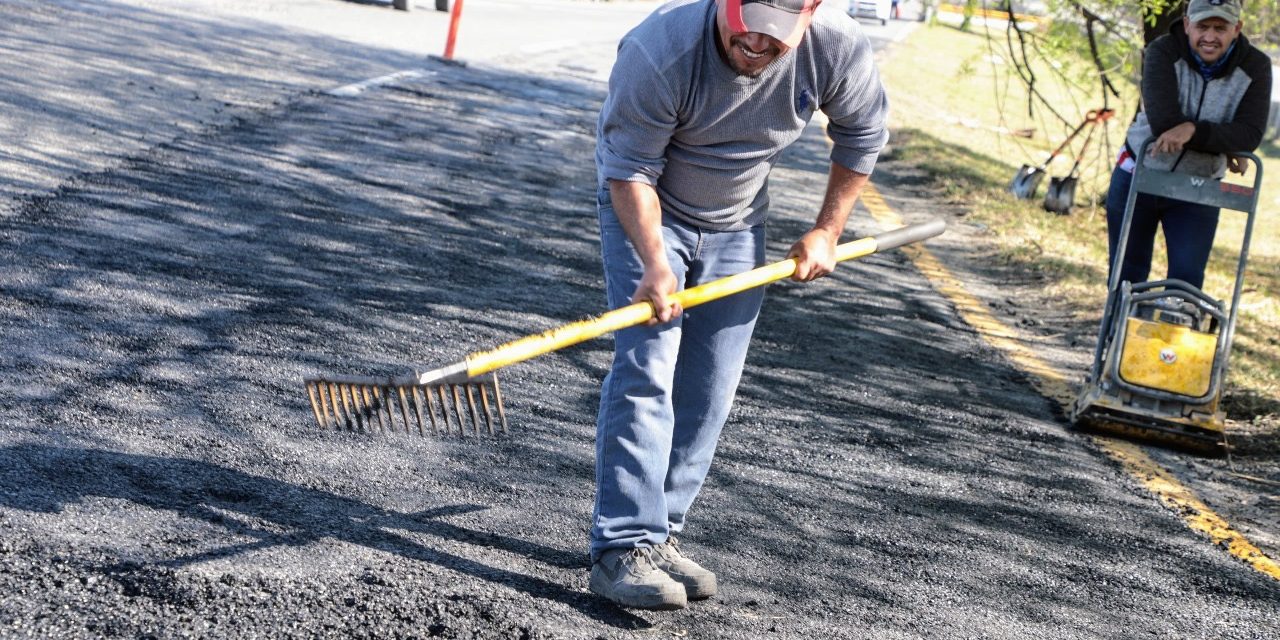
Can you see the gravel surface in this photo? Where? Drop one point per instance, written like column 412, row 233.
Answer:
column 884, row 474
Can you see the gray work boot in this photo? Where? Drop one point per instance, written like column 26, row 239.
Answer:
column 630, row 578
column 699, row 583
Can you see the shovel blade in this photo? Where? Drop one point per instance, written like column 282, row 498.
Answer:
column 1026, row 182
column 1061, row 195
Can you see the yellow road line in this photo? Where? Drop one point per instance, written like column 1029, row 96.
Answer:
column 1054, row 385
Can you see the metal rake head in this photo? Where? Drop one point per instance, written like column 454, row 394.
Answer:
column 358, row 404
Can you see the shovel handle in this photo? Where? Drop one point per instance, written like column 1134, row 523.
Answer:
column 641, row 312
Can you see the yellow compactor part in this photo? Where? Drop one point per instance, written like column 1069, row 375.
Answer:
column 1168, row 357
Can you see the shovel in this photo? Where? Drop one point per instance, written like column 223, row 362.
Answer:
column 1061, row 195
column 434, row 400
column 1028, row 178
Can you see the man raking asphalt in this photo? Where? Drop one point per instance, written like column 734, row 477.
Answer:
column 703, row 98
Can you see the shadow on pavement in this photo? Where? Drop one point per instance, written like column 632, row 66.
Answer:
column 49, row 479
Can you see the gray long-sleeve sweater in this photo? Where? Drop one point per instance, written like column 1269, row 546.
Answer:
column 678, row 118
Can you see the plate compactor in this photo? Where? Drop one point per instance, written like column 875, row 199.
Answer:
column 1163, row 347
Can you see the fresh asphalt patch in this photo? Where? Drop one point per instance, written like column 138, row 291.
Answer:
column 884, row 473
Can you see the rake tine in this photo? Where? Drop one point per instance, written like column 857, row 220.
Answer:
column 371, row 410
column 366, row 411
column 343, row 418
column 322, row 389
column 431, row 409
column 357, row 422
column 386, row 405
column 358, row 406
column 443, row 397
column 457, row 409
column 333, row 399
column 432, row 401
column 366, row 407
column 417, row 410
column 404, row 410
column 371, row 404
column 383, row 395
column 324, row 404
column 356, row 411
column 370, row 396
column 441, row 400
column 352, row 413
column 449, row 418
column 471, row 404
column 465, row 393
column 484, row 402
column 315, row 404
column 339, row 417
column 389, row 396
column 333, row 405
column 497, row 398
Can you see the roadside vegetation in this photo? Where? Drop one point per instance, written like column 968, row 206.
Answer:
column 960, row 112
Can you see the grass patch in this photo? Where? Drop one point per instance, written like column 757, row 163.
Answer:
column 956, row 103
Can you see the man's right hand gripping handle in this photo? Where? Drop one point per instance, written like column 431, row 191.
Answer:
column 640, row 212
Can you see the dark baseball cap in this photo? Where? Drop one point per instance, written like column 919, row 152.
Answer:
column 1228, row 10
column 785, row 20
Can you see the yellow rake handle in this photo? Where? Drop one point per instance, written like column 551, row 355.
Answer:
column 641, row 312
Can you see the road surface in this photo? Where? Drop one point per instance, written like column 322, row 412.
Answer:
column 172, row 267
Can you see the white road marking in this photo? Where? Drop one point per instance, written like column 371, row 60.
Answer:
column 356, row 88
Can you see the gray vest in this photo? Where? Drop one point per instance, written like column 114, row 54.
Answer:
column 1212, row 101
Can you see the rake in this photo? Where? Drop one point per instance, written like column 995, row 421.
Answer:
column 433, row 401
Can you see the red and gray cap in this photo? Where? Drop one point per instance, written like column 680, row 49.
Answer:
column 1228, row 10
column 785, row 20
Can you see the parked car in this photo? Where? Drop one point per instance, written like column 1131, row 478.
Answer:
column 871, row 9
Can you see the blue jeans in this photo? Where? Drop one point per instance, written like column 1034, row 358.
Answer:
column 1188, row 233
column 670, row 388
